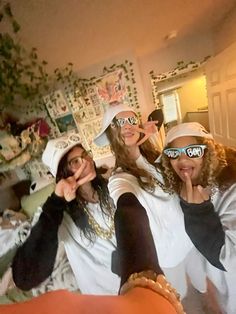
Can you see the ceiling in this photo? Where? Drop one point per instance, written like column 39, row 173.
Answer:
column 89, row 31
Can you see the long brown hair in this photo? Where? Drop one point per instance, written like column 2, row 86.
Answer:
column 76, row 208
column 123, row 160
column 218, row 170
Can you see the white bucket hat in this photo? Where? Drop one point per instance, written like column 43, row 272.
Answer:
column 186, row 129
column 56, row 149
column 101, row 139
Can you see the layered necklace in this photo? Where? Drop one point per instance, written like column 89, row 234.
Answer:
column 103, row 233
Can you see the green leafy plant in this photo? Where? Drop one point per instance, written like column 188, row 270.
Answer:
column 24, row 80
column 23, row 76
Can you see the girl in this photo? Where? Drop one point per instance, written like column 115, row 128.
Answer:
column 137, row 187
column 203, row 174
column 79, row 213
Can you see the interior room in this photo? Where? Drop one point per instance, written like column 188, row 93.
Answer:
column 173, row 55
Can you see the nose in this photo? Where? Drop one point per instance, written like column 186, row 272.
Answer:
column 183, row 156
column 127, row 125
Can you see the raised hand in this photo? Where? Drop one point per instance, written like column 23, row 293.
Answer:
column 149, row 128
column 193, row 194
column 67, row 187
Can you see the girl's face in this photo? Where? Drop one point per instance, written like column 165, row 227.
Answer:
column 76, row 157
column 127, row 121
column 184, row 164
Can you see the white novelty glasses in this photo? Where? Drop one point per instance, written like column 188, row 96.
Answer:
column 121, row 121
column 192, row 151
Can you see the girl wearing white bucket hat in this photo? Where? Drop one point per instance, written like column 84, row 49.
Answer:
column 203, row 173
column 78, row 214
column 137, row 189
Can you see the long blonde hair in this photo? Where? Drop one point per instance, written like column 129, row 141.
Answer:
column 218, row 170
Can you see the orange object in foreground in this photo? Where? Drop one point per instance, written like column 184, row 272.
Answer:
column 137, row 300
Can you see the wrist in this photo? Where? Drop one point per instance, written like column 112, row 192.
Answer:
column 157, row 283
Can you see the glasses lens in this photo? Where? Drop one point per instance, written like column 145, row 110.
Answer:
column 132, row 120
column 195, row 151
column 120, row 121
column 76, row 162
column 172, row 153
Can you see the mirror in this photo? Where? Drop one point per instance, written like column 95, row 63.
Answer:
column 182, row 96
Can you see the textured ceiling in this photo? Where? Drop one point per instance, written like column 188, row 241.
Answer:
column 88, row 31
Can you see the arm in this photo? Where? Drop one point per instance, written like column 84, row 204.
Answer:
column 138, row 258
column 205, row 229
column 34, row 260
column 135, row 243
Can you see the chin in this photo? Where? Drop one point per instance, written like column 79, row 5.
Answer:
column 131, row 142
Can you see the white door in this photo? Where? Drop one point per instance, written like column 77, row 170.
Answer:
column 221, row 91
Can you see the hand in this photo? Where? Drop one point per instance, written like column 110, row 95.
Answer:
column 67, row 187
column 193, row 194
column 149, row 128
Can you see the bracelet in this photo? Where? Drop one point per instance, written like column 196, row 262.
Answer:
column 157, row 283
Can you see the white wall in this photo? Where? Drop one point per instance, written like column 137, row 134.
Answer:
column 225, row 33
column 191, row 49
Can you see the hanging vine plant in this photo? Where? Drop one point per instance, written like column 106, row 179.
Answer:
column 24, row 79
column 23, row 76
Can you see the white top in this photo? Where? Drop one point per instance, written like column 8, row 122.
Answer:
column 164, row 212
column 225, row 206
column 90, row 262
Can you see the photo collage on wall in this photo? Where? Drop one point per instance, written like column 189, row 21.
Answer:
column 88, row 113
column 60, row 112
column 84, row 114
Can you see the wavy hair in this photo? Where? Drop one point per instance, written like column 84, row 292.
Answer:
column 218, row 170
column 123, row 160
column 76, row 209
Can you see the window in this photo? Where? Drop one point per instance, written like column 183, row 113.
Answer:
column 170, row 106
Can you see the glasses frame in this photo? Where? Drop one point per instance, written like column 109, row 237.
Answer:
column 184, row 150
column 85, row 154
column 117, row 121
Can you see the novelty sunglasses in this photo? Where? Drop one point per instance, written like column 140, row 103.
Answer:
column 192, row 151
column 121, row 121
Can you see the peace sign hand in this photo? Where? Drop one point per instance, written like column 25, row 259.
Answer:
column 67, row 188
column 149, row 128
column 193, row 194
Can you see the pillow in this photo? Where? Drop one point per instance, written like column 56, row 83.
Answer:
column 30, row 203
column 40, row 184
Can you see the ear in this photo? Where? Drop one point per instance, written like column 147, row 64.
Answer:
column 157, row 115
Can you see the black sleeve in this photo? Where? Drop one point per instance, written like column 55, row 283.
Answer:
column 135, row 245
column 34, row 260
column 204, row 228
